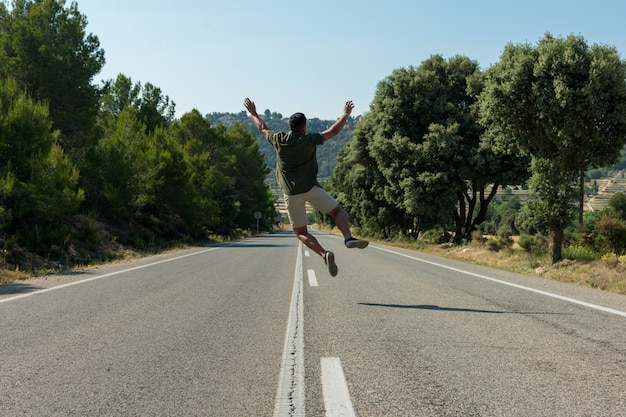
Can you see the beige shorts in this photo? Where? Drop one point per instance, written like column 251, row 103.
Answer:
column 316, row 196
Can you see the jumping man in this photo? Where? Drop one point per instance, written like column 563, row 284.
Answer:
column 296, row 171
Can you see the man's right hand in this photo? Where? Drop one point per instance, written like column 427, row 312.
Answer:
column 347, row 108
column 250, row 106
column 334, row 130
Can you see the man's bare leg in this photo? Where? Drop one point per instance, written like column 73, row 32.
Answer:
column 341, row 221
column 309, row 240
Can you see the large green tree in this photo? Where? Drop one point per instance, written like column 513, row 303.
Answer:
column 38, row 183
column 562, row 102
column 154, row 108
column 45, row 47
column 129, row 117
column 228, row 172
column 422, row 138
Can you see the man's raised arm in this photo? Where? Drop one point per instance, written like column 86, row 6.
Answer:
column 258, row 122
column 337, row 127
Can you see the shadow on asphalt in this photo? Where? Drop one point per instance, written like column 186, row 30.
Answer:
column 17, row 288
column 453, row 309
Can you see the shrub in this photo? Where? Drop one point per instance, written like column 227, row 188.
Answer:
column 579, row 253
column 611, row 259
column 436, row 235
column 503, row 241
column 614, row 231
column 533, row 245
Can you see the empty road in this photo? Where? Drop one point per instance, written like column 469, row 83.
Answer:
column 259, row 328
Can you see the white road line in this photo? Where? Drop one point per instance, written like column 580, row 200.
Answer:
column 335, row 389
column 510, row 284
column 290, row 395
column 82, row 281
column 307, row 253
column 312, row 278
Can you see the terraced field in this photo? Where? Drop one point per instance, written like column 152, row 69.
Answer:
column 606, row 188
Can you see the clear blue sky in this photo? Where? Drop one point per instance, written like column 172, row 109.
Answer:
column 312, row 56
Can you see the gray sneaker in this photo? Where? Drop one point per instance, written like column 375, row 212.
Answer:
column 329, row 259
column 356, row 243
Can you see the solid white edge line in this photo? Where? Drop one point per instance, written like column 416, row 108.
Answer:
column 312, row 277
column 82, row 281
column 510, row 284
column 290, row 393
column 337, row 399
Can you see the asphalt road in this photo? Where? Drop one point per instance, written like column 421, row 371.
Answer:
column 259, row 328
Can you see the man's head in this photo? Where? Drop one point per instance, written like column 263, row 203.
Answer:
column 297, row 123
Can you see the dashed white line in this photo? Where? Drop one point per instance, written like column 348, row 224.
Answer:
column 335, row 389
column 312, row 278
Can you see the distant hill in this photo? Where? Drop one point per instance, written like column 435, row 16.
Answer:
column 600, row 185
column 326, row 154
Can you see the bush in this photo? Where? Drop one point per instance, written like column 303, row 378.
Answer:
column 503, row 241
column 494, row 245
column 614, row 231
column 533, row 245
column 579, row 253
column 478, row 237
column 611, row 259
column 436, row 235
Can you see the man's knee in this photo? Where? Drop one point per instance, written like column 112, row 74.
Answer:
column 337, row 210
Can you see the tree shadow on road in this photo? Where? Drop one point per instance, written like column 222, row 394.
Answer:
column 17, row 288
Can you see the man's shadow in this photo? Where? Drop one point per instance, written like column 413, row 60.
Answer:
column 453, row 309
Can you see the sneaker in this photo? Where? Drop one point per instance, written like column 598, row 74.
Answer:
column 329, row 259
column 356, row 243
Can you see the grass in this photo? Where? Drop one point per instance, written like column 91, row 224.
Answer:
column 7, row 275
column 607, row 274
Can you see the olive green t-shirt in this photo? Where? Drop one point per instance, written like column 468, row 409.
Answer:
column 296, row 160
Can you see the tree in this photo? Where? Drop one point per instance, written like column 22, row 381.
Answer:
column 44, row 46
column 564, row 104
column 115, row 169
column 249, row 172
column 228, row 174
column 359, row 185
column 617, row 204
column 423, row 138
column 154, row 109
column 38, row 182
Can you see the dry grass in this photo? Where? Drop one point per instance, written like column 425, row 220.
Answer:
column 7, row 276
column 608, row 275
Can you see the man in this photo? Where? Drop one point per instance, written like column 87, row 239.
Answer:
column 296, row 170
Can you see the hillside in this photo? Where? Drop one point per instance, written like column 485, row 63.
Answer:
column 607, row 186
column 599, row 189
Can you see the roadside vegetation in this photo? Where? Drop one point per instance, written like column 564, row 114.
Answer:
column 605, row 272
